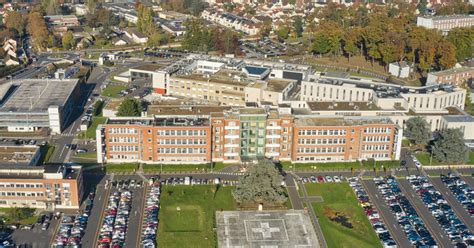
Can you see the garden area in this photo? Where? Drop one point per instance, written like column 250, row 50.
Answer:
column 118, row 168
column 22, row 216
column 157, row 168
column 424, row 159
column 356, row 165
column 113, row 90
column 342, row 220
column 46, row 153
column 187, row 214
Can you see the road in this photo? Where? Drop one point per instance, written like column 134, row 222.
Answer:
column 431, row 224
column 453, row 202
column 387, row 215
column 61, row 153
column 36, row 237
column 135, row 219
column 94, row 222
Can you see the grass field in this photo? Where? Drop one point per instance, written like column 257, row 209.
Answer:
column 156, row 168
column 340, row 201
column 191, row 225
column 118, row 168
column 369, row 164
column 424, row 159
column 113, row 90
column 46, row 153
column 90, row 133
column 87, row 155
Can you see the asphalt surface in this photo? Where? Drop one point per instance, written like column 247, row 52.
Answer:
column 98, row 207
column 386, row 213
column 431, row 224
column 469, row 180
column 135, row 219
column 461, row 212
column 36, row 237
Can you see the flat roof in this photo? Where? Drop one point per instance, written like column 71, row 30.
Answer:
column 318, row 121
column 342, row 106
column 163, row 110
column 148, row 67
column 278, row 85
column 37, row 172
column 459, row 118
column 14, row 155
column 163, row 121
column 36, row 95
column 223, row 76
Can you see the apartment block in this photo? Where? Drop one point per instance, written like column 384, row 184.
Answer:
column 345, row 139
column 239, row 135
column 24, row 183
column 161, row 140
column 446, row 22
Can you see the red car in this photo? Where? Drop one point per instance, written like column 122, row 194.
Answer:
column 320, row 179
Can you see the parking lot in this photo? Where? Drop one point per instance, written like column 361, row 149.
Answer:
column 36, row 237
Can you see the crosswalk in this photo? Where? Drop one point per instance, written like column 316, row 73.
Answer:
column 67, row 134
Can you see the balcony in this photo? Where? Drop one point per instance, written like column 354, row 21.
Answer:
column 273, row 127
column 272, row 145
column 231, row 136
column 231, row 145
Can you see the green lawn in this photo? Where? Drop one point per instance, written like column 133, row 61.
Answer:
column 118, row 168
column 340, row 200
column 86, row 155
column 193, row 223
column 90, row 133
column 339, row 165
column 156, row 168
column 113, row 90
column 424, row 159
column 25, row 220
column 46, row 153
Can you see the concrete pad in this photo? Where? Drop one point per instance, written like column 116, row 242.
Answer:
column 265, row 229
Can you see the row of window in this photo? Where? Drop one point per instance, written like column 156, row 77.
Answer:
column 378, row 130
column 124, row 148
column 121, row 130
column 123, row 139
column 182, row 132
column 321, row 141
column 122, row 156
column 182, row 150
column 375, row 147
column 21, row 185
column 27, row 194
column 321, row 132
column 376, row 138
column 181, row 141
column 320, row 150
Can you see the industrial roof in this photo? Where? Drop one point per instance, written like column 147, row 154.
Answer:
column 36, row 95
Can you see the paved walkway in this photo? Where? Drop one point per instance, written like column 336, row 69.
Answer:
column 299, row 202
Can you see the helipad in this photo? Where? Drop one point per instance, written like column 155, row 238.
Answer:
column 265, row 229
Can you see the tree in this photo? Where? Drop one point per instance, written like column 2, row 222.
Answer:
column 350, row 43
column 446, row 55
column 91, row 6
column 320, row 44
column 51, row 7
column 156, row 39
column 68, row 40
column 283, row 33
column 261, row 184
column 449, row 146
column 130, row 107
column 145, row 23
column 298, row 26
column 463, row 40
column 417, row 130
column 16, row 22
column 38, row 30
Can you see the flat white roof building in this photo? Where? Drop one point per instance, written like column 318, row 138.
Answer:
column 29, row 104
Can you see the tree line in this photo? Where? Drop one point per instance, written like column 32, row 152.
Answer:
column 386, row 35
column 200, row 37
